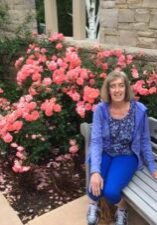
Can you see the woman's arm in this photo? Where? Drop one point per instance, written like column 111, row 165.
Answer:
column 96, row 143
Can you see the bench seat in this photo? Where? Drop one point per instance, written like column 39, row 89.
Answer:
column 141, row 193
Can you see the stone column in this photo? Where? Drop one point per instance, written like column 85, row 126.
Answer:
column 79, row 19
column 51, row 16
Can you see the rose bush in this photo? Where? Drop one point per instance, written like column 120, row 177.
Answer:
column 59, row 89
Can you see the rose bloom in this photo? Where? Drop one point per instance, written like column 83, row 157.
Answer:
column 72, row 142
column 47, row 81
column 1, row 91
column 20, row 155
column 20, row 148
column 14, row 145
column 7, row 138
column 57, row 108
column 33, row 136
column 73, row 149
column 59, row 46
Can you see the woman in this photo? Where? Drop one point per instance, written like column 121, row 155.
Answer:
column 120, row 145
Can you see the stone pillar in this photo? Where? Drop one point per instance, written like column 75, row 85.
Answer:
column 79, row 19
column 51, row 19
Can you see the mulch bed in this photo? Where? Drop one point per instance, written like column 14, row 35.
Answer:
column 44, row 188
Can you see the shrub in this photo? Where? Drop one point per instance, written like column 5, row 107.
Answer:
column 59, row 89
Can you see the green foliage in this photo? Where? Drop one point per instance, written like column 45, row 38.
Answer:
column 65, row 16
column 10, row 48
column 11, row 90
column 40, row 11
column 151, row 103
column 4, row 16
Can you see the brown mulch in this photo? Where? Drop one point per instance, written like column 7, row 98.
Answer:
column 45, row 187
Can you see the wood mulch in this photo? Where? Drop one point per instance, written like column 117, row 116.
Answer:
column 44, row 188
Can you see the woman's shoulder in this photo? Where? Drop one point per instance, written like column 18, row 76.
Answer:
column 101, row 105
column 140, row 106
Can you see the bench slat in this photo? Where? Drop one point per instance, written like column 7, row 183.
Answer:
column 144, row 196
column 145, row 187
column 147, row 177
column 140, row 206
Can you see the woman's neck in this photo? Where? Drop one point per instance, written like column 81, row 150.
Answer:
column 118, row 105
column 119, row 110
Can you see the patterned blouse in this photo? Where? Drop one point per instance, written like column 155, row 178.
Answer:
column 121, row 131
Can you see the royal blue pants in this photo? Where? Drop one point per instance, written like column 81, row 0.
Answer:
column 116, row 172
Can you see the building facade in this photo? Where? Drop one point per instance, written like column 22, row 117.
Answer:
column 129, row 23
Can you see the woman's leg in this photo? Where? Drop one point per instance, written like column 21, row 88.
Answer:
column 93, row 210
column 121, row 171
column 105, row 165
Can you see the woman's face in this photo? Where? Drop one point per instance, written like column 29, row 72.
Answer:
column 117, row 90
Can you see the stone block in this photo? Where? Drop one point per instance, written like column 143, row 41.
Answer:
column 125, row 26
column 101, row 35
column 149, row 3
column 151, row 34
column 107, row 4
column 16, row 15
column 7, row 2
column 140, row 26
column 134, row 4
column 122, row 6
column 30, row 4
column 120, row 1
column 18, row 2
column 126, row 15
column 144, row 42
column 113, row 40
column 142, row 15
column 134, row 1
column 112, row 32
column 153, row 21
column 127, row 38
column 109, row 18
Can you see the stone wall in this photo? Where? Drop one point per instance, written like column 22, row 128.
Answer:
column 147, row 56
column 129, row 23
column 18, row 11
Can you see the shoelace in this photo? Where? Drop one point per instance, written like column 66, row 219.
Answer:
column 121, row 215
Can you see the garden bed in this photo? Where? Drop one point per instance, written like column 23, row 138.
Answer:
column 45, row 187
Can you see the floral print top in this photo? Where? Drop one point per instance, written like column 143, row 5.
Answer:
column 121, row 132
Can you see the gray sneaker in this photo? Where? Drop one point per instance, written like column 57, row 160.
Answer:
column 93, row 214
column 121, row 217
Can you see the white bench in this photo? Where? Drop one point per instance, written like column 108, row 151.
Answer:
column 141, row 193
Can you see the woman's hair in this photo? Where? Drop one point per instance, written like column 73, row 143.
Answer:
column 105, row 96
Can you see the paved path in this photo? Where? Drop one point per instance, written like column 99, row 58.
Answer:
column 7, row 215
column 72, row 213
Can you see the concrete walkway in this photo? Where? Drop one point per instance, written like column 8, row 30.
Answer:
column 72, row 213
column 7, row 214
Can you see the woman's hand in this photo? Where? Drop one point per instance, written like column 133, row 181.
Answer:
column 96, row 184
column 154, row 175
